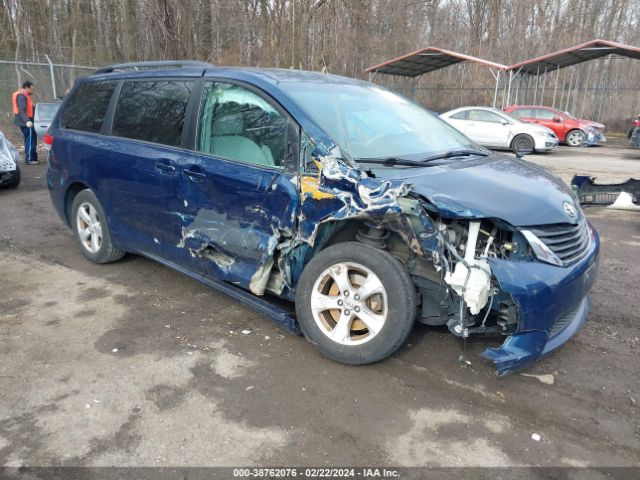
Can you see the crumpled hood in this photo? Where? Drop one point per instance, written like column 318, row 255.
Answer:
column 516, row 191
column 590, row 123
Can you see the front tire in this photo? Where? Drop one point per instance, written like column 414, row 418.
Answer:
column 91, row 230
column 523, row 143
column 355, row 303
column 575, row 138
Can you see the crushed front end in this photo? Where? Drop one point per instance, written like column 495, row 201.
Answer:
column 477, row 266
column 529, row 284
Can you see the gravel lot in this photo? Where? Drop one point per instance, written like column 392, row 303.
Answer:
column 134, row 364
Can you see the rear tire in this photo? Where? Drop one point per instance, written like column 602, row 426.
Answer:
column 91, row 230
column 575, row 138
column 355, row 303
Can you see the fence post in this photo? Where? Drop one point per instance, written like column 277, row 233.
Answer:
column 53, row 76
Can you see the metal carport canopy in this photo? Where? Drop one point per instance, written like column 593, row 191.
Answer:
column 574, row 55
column 427, row 60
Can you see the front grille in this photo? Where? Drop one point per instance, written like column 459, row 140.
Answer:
column 569, row 242
column 562, row 322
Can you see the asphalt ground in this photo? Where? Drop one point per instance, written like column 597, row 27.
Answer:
column 133, row 364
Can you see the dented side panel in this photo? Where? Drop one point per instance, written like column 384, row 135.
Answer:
column 234, row 219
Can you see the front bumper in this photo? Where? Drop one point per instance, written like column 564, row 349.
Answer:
column 8, row 178
column 553, row 303
column 546, row 144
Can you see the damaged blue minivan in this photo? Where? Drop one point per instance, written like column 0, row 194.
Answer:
column 335, row 207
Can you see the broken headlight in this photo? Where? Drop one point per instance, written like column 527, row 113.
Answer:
column 540, row 249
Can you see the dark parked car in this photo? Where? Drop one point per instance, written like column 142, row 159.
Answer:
column 353, row 203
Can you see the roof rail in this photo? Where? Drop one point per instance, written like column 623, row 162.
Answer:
column 149, row 65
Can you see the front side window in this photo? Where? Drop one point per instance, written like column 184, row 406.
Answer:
column 238, row 124
column 544, row 114
column 87, row 107
column 484, row 116
column 153, row 111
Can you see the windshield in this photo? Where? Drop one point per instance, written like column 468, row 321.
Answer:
column 367, row 121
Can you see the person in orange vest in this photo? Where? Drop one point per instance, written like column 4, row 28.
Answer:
column 23, row 117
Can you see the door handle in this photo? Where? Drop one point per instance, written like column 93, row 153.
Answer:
column 166, row 167
column 195, row 177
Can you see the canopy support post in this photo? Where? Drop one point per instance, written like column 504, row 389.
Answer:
column 555, row 87
column 535, row 91
column 495, row 91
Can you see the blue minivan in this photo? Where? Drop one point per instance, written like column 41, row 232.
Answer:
column 335, row 207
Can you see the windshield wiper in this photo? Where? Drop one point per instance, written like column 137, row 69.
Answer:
column 420, row 163
column 391, row 161
column 454, row 154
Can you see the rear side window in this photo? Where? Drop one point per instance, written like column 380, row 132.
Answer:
column 87, row 107
column 153, row 111
column 460, row 115
column 46, row 111
column 522, row 113
column 484, row 116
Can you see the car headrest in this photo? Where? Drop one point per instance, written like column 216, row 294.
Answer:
column 231, row 124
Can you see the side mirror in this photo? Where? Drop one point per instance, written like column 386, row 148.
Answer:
column 504, row 122
column 557, row 119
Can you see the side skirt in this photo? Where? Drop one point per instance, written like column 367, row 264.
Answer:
column 276, row 314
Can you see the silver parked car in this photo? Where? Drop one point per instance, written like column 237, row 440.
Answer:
column 43, row 116
column 494, row 128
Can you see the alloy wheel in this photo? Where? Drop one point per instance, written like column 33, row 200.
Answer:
column 575, row 138
column 349, row 303
column 89, row 227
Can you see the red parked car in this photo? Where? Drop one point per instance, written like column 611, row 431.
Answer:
column 573, row 131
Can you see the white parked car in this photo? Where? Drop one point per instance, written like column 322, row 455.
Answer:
column 9, row 169
column 494, row 128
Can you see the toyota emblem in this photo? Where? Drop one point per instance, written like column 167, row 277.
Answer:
column 569, row 209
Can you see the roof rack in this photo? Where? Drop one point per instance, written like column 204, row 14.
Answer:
column 150, row 65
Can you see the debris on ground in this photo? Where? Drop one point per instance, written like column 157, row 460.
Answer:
column 624, row 202
column 547, row 379
column 591, row 193
column 536, row 437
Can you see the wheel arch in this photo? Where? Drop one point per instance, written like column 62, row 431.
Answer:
column 522, row 134
column 70, row 195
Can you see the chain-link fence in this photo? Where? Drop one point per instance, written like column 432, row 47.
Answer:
column 52, row 81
